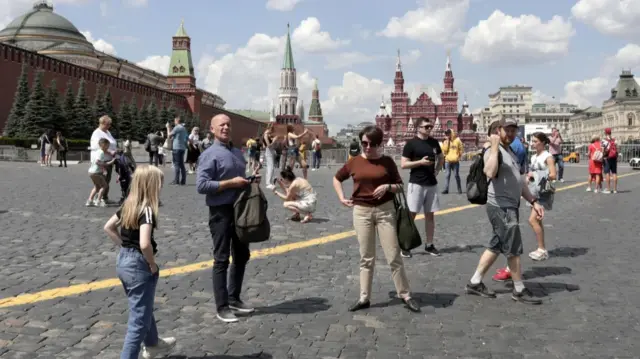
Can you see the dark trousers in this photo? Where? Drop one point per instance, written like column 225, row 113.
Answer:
column 153, row 158
column 317, row 157
column 455, row 168
column 62, row 157
column 225, row 244
column 178, row 167
column 105, row 194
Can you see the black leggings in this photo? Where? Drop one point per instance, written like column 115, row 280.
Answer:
column 62, row 157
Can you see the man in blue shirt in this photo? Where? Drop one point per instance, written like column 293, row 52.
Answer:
column 221, row 175
column 521, row 153
column 180, row 136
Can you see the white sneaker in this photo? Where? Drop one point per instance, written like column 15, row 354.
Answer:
column 270, row 187
column 562, row 180
column 615, row 191
column 164, row 347
column 89, row 204
column 588, row 189
column 100, row 203
column 606, row 191
column 596, row 191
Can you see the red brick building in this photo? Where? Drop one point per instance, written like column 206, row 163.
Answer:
column 399, row 126
column 48, row 42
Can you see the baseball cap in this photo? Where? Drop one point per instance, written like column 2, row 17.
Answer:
column 607, row 131
column 506, row 122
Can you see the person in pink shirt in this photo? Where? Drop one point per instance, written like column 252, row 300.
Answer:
column 555, row 149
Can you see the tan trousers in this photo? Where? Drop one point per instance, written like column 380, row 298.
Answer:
column 366, row 221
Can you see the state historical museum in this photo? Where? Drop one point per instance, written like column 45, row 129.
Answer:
column 47, row 42
column 399, row 126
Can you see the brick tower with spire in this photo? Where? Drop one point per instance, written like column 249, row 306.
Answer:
column 181, row 74
column 399, row 126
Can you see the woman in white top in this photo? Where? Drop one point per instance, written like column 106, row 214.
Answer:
column 542, row 160
column 104, row 124
column 193, row 149
column 300, row 198
column 269, row 139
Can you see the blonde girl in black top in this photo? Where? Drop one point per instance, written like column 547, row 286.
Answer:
column 136, row 264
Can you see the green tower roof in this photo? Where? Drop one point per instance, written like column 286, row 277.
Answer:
column 288, row 54
column 181, row 31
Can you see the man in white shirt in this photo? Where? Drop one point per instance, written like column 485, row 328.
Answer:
column 316, row 147
column 104, row 123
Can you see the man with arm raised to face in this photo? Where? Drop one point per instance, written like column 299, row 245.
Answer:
column 424, row 157
column 221, row 176
column 506, row 186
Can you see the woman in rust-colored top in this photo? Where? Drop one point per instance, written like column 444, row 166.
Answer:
column 375, row 180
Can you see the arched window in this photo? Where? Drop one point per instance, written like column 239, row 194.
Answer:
column 630, row 119
column 286, row 108
column 399, row 127
column 181, row 68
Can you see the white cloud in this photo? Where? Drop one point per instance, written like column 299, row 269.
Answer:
column 100, row 44
column 310, row 38
column 347, row 59
column 593, row 91
column 282, row 5
column 104, row 8
column 516, row 40
column 412, row 57
column 159, row 64
column 438, row 21
column 540, row 97
column 222, row 48
column 137, row 3
column 611, row 17
column 250, row 76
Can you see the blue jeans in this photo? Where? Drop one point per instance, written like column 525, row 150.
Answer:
column 140, row 286
column 317, row 157
column 449, row 167
column 560, row 161
column 178, row 167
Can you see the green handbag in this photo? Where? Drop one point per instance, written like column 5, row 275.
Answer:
column 408, row 235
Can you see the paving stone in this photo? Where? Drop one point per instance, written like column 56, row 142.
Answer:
column 301, row 296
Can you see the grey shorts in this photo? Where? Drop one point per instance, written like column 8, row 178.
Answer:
column 506, row 238
column 422, row 198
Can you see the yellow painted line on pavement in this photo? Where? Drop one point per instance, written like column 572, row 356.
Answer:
column 50, row 294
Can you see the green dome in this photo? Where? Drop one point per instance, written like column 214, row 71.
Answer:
column 43, row 30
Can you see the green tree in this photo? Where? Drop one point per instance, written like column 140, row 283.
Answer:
column 98, row 103
column 107, row 104
column 136, row 125
column 154, row 119
column 83, row 121
column 54, row 110
column 20, row 101
column 124, row 121
column 36, row 116
column 145, row 122
column 68, row 112
column 164, row 116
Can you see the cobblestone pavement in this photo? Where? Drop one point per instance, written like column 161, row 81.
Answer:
column 50, row 240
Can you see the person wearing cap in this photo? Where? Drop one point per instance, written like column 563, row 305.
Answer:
column 610, row 161
column 506, row 186
column 452, row 148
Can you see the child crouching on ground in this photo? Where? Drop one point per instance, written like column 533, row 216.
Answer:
column 136, row 264
column 97, row 175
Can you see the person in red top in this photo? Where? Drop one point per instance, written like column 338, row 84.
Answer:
column 375, row 181
column 610, row 161
column 595, row 165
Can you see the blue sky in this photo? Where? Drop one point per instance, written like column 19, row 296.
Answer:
column 562, row 48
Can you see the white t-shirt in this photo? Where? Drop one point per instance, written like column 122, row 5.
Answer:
column 314, row 143
column 95, row 149
column 539, row 162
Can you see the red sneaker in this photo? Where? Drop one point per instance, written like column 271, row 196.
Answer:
column 502, row 275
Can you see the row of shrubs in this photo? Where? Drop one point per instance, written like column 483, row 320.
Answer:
column 74, row 145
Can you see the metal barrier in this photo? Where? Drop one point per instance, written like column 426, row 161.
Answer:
column 625, row 152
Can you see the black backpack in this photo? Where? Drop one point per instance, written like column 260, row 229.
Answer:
column 250, row 211
column 477, row 181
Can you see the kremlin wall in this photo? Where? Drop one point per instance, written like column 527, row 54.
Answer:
column 47, row 42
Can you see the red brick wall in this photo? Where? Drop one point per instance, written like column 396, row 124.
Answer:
column 11, row 59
